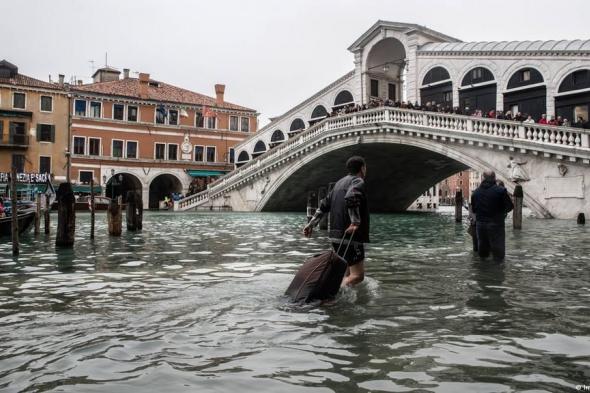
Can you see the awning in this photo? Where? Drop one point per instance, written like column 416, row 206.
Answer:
column 203, row 173
column 86, row 188
column 20, row 187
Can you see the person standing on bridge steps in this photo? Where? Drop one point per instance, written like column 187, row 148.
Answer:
column 491, row 203
column 349, row 216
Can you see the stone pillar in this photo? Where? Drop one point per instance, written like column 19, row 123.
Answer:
column 134, row 213
column 66, row 216
column 550, row 103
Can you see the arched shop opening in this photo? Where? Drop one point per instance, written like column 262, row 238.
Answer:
column 478, row 91
column 526, row 93
column 161, row 187
column 386, row 66
column 344, row 98
column 437, row 88
column 572, row 101
column 121, row 183
column 297, row 125
column 243, row 158
column 277, row 138
column 319, row 113
column 259, row 148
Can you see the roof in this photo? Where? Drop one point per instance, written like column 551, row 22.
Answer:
column 27, row 81
column 129, row 87
column 508, row 46
column 106, row 69
column 407, row 27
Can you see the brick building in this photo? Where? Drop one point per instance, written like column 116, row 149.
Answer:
column 33, row 124
column 449, row 186
column 146, row 135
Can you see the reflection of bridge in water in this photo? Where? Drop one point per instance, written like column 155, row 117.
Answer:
column 408, row 151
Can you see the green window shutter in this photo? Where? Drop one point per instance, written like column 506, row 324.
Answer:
column 52, row 133
column 38, row 132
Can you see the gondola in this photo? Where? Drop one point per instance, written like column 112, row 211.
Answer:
column 25, row 220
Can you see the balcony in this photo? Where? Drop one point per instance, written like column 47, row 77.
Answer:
column 14, row 141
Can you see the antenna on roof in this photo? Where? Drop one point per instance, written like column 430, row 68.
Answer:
column 91, row 65
column 106, row 58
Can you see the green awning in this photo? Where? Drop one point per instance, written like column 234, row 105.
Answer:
column 203, row 173
column 86, row 188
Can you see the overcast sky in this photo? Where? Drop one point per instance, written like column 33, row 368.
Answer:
column 270, row 54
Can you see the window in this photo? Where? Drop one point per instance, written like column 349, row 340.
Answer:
column 476, row 73
column 18, row 161
column 46, row 104
column 131, row 113
column 173, row 117
column 44, row 164
column 160, row 153
column 526, row 75
column 93, row 147
column 210, row 154
column 18, row 100
column 199, row 153
column 245, row 124
column 448, row 96
column 117, row 150
column 232, row 155
column 85, row 176
column 45, row 133
column 391, row 91
column 211, row 122
column 79, row 145
column 131, row 149
column 80, row 108
column 374, row 88
column 233, row 123
column 199, row 120
column 18, row 133
column 172, row 152
column 95, row 109
column 160, row 115
column 118, row 111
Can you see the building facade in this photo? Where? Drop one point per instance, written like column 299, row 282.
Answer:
column 33, row 125
column 145, row 135
column 449, row 186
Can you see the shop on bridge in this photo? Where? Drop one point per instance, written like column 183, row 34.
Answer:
column 573, row 98
column 437, row 88
column 526, row 93
column 478, row 91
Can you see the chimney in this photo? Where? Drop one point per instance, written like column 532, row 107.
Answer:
column 144, row 80
column 125, row 73
column 61, row 79
column 80, row 82
column 219, row 92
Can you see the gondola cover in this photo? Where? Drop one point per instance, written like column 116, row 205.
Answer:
column 318, row 279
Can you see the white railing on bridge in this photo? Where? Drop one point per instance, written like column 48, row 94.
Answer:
column 566, row 137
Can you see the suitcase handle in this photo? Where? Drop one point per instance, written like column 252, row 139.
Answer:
column 342, row 241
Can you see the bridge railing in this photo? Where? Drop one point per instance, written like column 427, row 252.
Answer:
column 503, row 129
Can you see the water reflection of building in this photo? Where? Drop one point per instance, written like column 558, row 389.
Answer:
column 161, row 138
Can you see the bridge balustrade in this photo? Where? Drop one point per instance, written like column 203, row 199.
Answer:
column 501, row 129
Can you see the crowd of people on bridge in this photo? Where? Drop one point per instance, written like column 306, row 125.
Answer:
column 434, row 107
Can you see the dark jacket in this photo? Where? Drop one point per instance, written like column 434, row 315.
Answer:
column 347, row 197
column 491, row 203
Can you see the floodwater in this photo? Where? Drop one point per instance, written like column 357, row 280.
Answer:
column 194, row 303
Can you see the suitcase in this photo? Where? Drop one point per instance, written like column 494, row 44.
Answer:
column 319, row 278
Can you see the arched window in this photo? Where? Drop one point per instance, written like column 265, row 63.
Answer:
column 259, row 147
column 524, row 77
column 436, row 74
column 343, row 98
column 319, row 112
column 277, row 136
column 573, row 101
column 577, row 80
column 477, row 75
column 297, row 125
column 243, row 157
column 526, row 93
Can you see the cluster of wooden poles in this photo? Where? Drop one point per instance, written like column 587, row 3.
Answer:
column 66, row 215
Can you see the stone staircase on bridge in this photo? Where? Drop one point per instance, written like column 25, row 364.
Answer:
column 559, row 142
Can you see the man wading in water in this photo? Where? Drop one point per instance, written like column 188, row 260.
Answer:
column 349, row 214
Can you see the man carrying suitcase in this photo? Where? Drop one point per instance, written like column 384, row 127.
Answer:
column 349, row 216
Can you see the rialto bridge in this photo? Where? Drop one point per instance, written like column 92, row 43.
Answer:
column 408, row 151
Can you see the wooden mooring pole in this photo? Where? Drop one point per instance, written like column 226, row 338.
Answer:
column 581, row 219
column 38, row 215
column 46, row 213
column 66, row 216
column 459, row 205
column 322, row 193
column 92, row 208
column 114, row 217
column 14, row 212
column 312, row 201
column 134, row 211
column 517, row 213
column 330, row 188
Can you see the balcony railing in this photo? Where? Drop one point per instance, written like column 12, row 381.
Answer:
column 14, row 140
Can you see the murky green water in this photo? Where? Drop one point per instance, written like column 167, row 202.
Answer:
column 193, row 303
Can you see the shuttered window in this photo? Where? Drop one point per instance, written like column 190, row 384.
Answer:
column 45, row 133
